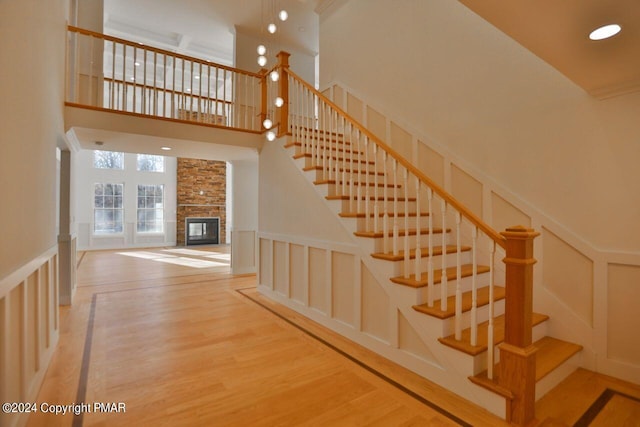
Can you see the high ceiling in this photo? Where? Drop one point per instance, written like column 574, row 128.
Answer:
column 205, row 28
column 557, row 31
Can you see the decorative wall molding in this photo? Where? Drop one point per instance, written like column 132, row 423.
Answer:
column 565, row 322
column 29, row 330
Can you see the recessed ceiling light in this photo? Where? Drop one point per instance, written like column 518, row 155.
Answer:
column 196, row 77
column 165, row 148
column 137, row 64
column 605, row 32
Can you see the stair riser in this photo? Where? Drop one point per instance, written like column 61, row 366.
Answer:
column 367, row 224
column 340, row 151
column 436, row 241
column 560, row 373
column 357, row 176
column 362, row 190
column 339, row 162
column 480, row 361
column 399, row 266
column 449, row 325
column 466, row 284
column 312, row 138
column 352, row 205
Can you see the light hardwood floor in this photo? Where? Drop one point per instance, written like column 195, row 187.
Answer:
column 171, row 334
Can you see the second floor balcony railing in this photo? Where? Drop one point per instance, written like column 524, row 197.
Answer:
column 105, row 72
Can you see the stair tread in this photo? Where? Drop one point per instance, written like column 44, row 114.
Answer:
column 341, row 149
column 464, row 344
column 482, row 300
column 348, row 170
column 302, row 155
column 391, row 215
column 466, row 270
column 371, row 184
column 552, row 352
column 319, row 131
column 412, row 253
column 377, row 198
column 402, row 232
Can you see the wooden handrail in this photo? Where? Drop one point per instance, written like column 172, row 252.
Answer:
column 158, row 50
column 473, row 218
column 141, row 85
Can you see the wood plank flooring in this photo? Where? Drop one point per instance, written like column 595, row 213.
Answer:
column 170, row 333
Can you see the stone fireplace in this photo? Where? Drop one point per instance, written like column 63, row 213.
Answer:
column 201, row 198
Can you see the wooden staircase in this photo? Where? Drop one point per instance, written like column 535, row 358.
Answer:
column 552, row 354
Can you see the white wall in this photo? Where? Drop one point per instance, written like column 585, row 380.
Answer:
column 514, row 140
column 85, row 178
column 243, row 215
column 289, row 205
column 30, row 130
column 32, row 53
column 472, row 89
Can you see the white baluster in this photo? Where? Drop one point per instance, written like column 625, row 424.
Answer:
column 135, row 79
column 313, row 134
column 385, row 218
column 474, row 288
column 331, row 160
column 113, row 104
column 367, row 201
column 359, row 190
column 458, row 319
column 418, row 257
column 443, row 281
column 325, row 175
column 407, row 258
column 376, row 207
column 352, row 193
column 430, row 277
column 395, row 208
column 490, row 349
column 344, row 158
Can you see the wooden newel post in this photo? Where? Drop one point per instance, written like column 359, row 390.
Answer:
column 282, row 115
column 517, row 354
column 263, row 96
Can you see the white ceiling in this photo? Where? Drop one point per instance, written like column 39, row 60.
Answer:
column 206, row 28
column 557, row 31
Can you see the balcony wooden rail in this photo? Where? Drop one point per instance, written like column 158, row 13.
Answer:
column 393, row 197
column 111, row 73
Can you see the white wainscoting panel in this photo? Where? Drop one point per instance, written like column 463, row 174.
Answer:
column 29, row 330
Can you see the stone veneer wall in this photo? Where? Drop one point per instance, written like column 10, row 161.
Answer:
column 208, row 177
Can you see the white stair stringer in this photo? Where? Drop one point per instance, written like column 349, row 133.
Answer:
column 449, row 370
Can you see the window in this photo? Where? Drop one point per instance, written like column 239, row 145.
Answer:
column 150, row 209
column 150, row 163
column 108, row 160
column 107, row 208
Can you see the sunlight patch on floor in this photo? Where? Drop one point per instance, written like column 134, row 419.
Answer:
column 144, row 254
column 192, row 252
column 190, row 262
column 226, row 257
